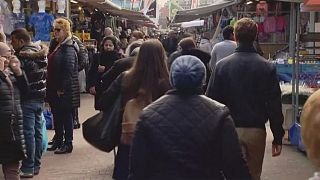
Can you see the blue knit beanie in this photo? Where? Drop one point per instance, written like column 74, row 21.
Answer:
column 187, row 73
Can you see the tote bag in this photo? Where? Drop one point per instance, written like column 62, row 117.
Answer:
column 103, row 130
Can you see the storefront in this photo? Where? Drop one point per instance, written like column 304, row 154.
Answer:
column 89, row 18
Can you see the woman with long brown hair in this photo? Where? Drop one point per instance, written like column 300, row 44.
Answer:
column 146, row 81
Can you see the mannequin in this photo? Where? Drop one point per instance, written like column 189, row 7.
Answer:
column 42, row 6
column 41, row 22
column 16, row 6
column 18, row 17
column 61, row 6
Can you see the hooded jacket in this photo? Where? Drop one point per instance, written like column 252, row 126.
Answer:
column 64, row 76
column 34, row 63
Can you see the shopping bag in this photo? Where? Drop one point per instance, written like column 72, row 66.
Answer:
column 44, row 135
column 48, row 119
column 103, row 130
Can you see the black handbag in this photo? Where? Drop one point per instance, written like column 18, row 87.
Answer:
column 103, row 130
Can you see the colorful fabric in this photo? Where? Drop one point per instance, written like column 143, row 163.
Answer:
column 42, row 23
column 269, row 24
column 281, row 23
column 18, row 20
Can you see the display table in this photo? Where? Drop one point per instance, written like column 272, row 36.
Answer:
column 309, row 74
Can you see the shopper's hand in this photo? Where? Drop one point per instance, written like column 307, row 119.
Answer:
column 101, row 69
column 60, row 93
column 15, row 65
column 92, row 90
column 276, row 150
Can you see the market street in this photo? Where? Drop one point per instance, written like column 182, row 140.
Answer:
column 86, row 162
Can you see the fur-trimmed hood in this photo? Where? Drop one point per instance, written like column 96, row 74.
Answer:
column 33, row 52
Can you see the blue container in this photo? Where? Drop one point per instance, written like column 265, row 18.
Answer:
column 295, row 136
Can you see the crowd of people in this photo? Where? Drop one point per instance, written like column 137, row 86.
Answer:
column 201, row 111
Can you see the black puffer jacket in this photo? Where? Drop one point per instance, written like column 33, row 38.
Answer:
column 12, row 143
column 186, row 137
column 63, row 76
column 34, row 63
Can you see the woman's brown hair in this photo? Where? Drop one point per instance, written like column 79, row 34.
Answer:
column 149, row 69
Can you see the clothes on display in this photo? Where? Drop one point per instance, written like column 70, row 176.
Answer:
column 42, row 23
column 5, row 22
column 18, row 20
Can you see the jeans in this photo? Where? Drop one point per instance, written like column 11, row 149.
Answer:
column 32, row 128
column 63, row 124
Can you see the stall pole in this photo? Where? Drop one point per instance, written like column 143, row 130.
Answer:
column 68, row 8
column 292, row 46
column 297, row 63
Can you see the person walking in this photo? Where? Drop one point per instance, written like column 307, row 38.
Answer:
column 33, row 61
column 248, row 85
column 148, row 78
column 224, row 48
column 63, row 92
column 102, row 62
column 187, row 46
column 193, row 138
column 12, row 143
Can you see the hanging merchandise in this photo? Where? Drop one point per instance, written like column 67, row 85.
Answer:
column 17, row 17
column 5, row 20
column 42, row 23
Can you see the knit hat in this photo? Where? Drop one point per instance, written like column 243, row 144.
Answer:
column 187, row 73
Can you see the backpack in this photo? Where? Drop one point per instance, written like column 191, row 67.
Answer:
column 82, row 53
column 130, row 118
column 83, row 57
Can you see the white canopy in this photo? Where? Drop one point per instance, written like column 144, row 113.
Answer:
column 192, row 14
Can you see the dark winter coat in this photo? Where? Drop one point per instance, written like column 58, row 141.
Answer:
column 64, row 76
column 116, row 69
column 107, row 99
column 104, row 59
column 248, row 85
column 34, row 63
column 186, row 137
column 94, row 77
column 83, row 55
column 12, row 143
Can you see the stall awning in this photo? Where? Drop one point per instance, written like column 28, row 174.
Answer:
column 102, row 3
column 113, row 9
column 192, row 14
column 312, row 2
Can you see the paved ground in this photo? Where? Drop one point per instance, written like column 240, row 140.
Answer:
column 86, row 162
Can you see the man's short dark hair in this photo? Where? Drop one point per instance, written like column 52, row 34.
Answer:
column 227, row 32
column 245, row 30
column 21, row 34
